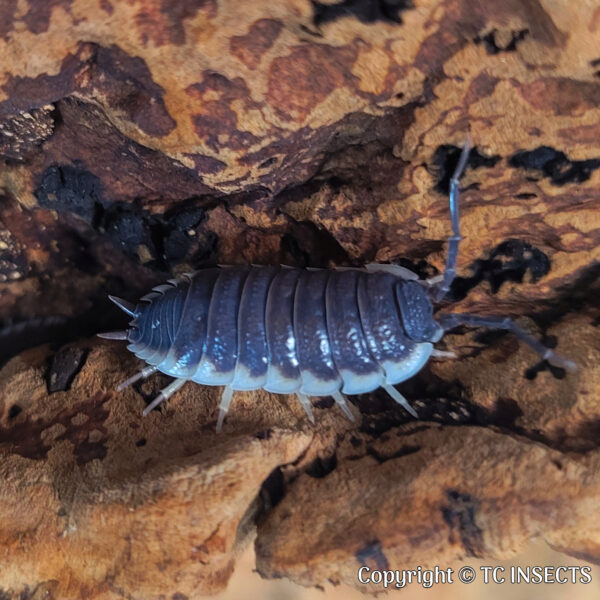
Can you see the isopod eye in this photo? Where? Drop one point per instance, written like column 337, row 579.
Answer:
column 416, row 312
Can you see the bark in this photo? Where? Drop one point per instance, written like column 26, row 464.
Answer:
column 143, row 139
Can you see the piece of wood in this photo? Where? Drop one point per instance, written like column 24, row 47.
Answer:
column 143, row 139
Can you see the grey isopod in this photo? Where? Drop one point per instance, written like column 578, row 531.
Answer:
column 312, row 332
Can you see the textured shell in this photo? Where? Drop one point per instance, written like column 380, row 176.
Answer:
column 282, row 329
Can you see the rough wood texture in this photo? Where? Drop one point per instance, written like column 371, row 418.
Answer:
column 98, row 502
column 144, row 138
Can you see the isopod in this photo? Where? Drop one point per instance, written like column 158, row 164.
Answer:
column 312, row 332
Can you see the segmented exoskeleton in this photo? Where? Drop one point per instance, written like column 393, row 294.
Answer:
column 312, row 332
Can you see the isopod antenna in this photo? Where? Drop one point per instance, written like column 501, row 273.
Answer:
column 454, row 240
column 452, row 320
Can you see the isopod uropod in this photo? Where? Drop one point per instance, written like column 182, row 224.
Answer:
column 312, row 332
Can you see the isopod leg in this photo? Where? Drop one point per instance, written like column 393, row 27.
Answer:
column 125, row 306
column 145, row 372
column 224, row 406
column 341, row 402
column 307, row 405
column 165, row 394
column 452, row 320
column 454, row 240
column 435, row 353
column 400, row 399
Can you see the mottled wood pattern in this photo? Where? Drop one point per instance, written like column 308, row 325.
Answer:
column 144, row 138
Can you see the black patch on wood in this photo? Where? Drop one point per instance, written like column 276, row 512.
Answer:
column 366, row 11
column 532, row 372
column 186, row 219
column 504, row 413
column 168, row 239
column 66, row 363
column 272, row 489
column 445, row 160
column 304, row 244
column 68, row 189
column 290, row 246
column 459, row 513
column 554, row 165
column 322, row 466
column 324, row 402
column 176, row 246
column 550, row 341
column 509, row 261
column 129, row 228
column 14, row 411
column 490, row 42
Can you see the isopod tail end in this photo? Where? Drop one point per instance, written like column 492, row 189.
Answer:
column 125, row 306
column 113, row 335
